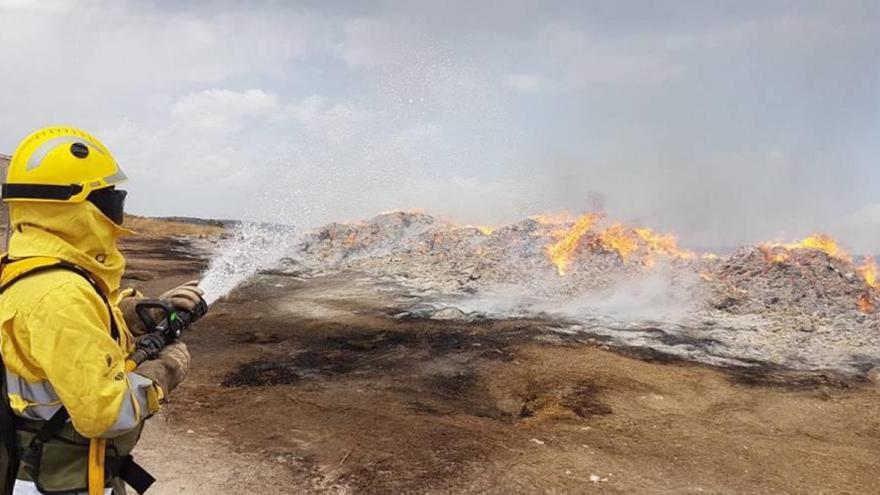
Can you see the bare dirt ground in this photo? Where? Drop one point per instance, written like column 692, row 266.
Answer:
column 311, row 386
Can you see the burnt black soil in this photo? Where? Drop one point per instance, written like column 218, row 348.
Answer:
column 436, row 361
column 335, row 351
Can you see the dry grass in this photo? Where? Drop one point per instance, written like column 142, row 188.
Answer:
column 151, row 227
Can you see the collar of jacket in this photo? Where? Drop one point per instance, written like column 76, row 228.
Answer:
column 77, row 233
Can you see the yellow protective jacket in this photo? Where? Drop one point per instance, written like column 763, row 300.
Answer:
column 55, row 334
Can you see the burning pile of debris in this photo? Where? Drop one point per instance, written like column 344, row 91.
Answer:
column 573, row 256
column 554, row 263
column 813, row 276
column 541, row 252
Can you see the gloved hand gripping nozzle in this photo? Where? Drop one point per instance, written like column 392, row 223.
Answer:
column 170, row 325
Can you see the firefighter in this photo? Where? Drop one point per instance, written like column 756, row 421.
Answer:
column 72, row 408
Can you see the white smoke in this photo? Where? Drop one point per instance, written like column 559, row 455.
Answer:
column 663, row 294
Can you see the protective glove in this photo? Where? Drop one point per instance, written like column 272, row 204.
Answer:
column 169, row 369
column 152, row 344
column 127, row 305
column 185, row 297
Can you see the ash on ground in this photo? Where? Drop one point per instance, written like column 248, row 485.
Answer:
column 790, row 306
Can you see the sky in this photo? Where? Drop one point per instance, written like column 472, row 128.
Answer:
column 725, row 122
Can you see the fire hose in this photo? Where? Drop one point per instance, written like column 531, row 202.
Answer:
column 170, row 325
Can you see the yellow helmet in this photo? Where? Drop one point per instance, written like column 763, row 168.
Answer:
column 60, row 164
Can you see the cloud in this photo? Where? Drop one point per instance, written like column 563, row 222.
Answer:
column 129, row 50
column 40, row 6
column 307, row 110
column 567, row 58
column 529, row 83
column 223, row 108
column 368, row 42
column 323, row 119
column 723, row 124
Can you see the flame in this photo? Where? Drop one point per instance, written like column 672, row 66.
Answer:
column 620, row 239
column 657, row 242
column 818, row 242
column 561, row 251
column 626, row 241
column 866, row 305
column 869, row 271
column 617, row 238
column 664, row 243
column 776, row 252
column 778, row 257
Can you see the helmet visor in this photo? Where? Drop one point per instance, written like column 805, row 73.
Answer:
column 110, row 201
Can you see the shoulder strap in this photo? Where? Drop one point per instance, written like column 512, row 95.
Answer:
column 8, row 423
column 52, row 426
column 13, row 270
column 38, row 265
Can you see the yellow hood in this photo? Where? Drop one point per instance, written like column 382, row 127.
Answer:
column 74, row 232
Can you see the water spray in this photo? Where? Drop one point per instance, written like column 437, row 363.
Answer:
column 250, row 248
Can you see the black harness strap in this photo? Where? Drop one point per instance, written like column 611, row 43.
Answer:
column 8, row 423
column 133, row 474
column 52, row 427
